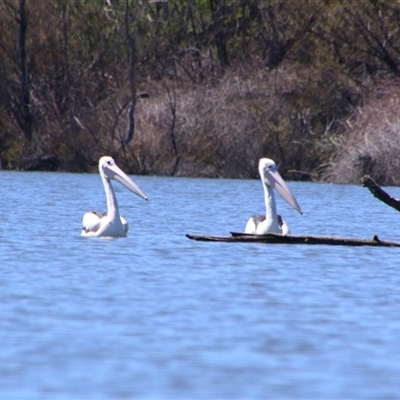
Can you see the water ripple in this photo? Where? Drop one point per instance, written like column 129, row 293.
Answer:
column 156, row 315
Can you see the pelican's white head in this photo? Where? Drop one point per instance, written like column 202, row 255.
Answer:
column 109, row 170
column 271, row 178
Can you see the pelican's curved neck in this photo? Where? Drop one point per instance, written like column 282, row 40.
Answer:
column 112, row 204
column 271, row 215
column 270, row 204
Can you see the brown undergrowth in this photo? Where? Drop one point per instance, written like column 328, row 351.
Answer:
column 372, row 140
column 221, row 130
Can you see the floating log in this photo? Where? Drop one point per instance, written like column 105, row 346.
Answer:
column 379, row 193
column 273, row 238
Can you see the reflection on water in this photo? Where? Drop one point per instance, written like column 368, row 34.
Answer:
column 156, row 315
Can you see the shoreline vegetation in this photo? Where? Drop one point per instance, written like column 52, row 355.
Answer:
column 202, row 88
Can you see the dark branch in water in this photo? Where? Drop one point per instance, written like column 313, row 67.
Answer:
column 379, row 193
column 273, row 238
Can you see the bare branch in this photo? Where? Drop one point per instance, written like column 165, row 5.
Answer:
column 379, row 193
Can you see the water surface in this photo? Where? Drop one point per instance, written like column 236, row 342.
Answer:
column 158, row 316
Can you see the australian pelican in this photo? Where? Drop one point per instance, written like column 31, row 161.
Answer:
column 271, row 222
column 109, row 224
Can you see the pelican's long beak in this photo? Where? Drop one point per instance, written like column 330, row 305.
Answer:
column 116, row 173
column 275, row 181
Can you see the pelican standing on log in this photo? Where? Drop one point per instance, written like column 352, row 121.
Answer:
column 271, row 222
column 109, row 224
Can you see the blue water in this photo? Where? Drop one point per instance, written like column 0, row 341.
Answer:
column 158, row 316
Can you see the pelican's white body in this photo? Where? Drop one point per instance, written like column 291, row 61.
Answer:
column 109, row 224
column 95, row 224
column 271, row 222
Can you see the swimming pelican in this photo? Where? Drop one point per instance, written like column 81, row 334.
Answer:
column 109, row 224
column 271, row 223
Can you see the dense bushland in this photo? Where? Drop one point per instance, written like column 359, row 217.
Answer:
column 201, row 87
column 373, row 141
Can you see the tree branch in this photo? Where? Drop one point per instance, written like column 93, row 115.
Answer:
column 379, row 193
column 132, row 77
